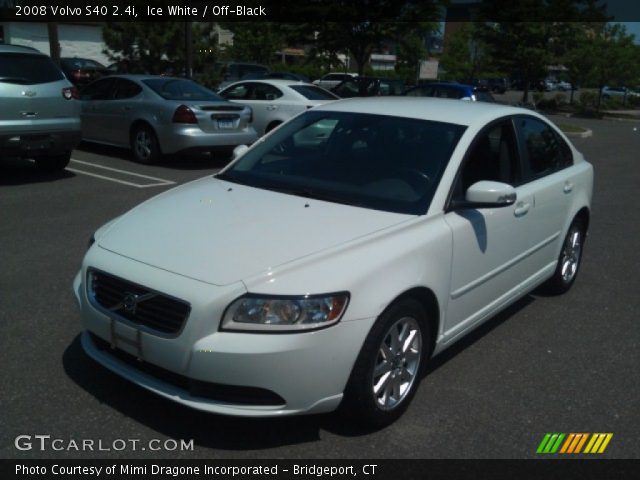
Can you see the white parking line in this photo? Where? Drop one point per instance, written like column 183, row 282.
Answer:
column 161, row 182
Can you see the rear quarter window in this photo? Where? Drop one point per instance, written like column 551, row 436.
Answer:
column 313, row 93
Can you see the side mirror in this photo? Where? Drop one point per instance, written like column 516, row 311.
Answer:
column 488, row 194
column 239, row 151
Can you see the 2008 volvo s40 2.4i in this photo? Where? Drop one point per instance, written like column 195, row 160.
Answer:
column 333, row 258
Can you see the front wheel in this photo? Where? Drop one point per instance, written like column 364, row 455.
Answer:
column 568, row 261
column 387, row 371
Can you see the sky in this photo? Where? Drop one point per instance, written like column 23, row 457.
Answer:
column 633, row 27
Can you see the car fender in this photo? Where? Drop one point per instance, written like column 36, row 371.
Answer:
column 413, row 254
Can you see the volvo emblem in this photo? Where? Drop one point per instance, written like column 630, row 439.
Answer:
column 130, row 302
column 29, row 93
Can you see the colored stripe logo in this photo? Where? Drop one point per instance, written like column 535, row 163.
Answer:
column 574, row 443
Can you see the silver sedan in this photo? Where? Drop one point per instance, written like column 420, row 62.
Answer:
column 161, row 115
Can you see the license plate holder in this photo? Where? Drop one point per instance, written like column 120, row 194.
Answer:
column 225, row 123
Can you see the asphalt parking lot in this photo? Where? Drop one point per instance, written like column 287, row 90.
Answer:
column 548, row 364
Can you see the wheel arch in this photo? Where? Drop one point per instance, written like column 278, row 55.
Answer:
column 584, row 215
column 427, row 298
column 272, row 124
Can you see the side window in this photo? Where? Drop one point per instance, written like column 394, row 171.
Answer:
column 126, row 89
column 238, row 92
column 100, row 90
column 544, row 150
column 264, row 91
column 493, row 156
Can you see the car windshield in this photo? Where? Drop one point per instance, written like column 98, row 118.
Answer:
column 313, row 92
column 180, row 89
column 372, row 161
column 28, row 69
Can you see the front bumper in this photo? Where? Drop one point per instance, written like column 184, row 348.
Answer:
column 177, row 138
column 308, row 371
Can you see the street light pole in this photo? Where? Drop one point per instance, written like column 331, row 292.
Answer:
column 188, row 50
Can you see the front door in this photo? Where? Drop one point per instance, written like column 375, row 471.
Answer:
column 489, row 244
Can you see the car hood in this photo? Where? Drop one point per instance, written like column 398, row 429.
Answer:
column 220, row 232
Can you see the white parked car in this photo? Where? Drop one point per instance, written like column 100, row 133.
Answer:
column 608, row 92
column 329, row 262
column 275, row 101
column 331, row 80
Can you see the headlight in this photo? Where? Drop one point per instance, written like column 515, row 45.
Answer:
column 267, row 313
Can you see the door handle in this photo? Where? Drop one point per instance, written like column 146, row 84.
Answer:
column 271, row 107
column 126, row 109
column 568, row 187
column 521, row 209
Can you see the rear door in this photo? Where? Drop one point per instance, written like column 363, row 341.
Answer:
column 121, row 109
column 261, row 97
column 547, row 171
column 31, row 95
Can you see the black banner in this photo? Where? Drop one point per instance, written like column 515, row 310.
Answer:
column 286, row 11
column 313, row 469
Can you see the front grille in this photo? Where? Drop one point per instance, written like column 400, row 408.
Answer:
column 137, row 304
column 231, row 394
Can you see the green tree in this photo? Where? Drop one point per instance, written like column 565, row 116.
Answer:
column 409, row 51
column 615, row 58
column 465, row 55
column 255, row 41
column 527, row 48
column 367, row 25
column 150, row 47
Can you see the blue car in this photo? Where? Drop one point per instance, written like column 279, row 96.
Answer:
column 451, row 90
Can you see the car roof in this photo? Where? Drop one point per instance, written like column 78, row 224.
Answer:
column 144, row 76
column 279, row 82
column 8, row 48
column 427, row 108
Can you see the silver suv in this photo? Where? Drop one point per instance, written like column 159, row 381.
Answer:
column 40, row 113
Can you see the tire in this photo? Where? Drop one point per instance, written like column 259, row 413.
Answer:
column 569, row 260
column 385, row 376
column 145, row 146
column 53, row 163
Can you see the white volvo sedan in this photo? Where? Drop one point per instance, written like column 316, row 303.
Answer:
column 329, row 262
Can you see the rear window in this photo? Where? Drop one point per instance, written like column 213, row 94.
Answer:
column 26, row 69
column 180, row 89
column 82, row 63
column 484, row 96
column 313, row 93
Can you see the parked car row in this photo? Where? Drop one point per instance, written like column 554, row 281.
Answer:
column 618, row 92
column 158, row 115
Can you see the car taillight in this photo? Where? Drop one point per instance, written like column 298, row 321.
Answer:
column 70, row 92
column 184, row 114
